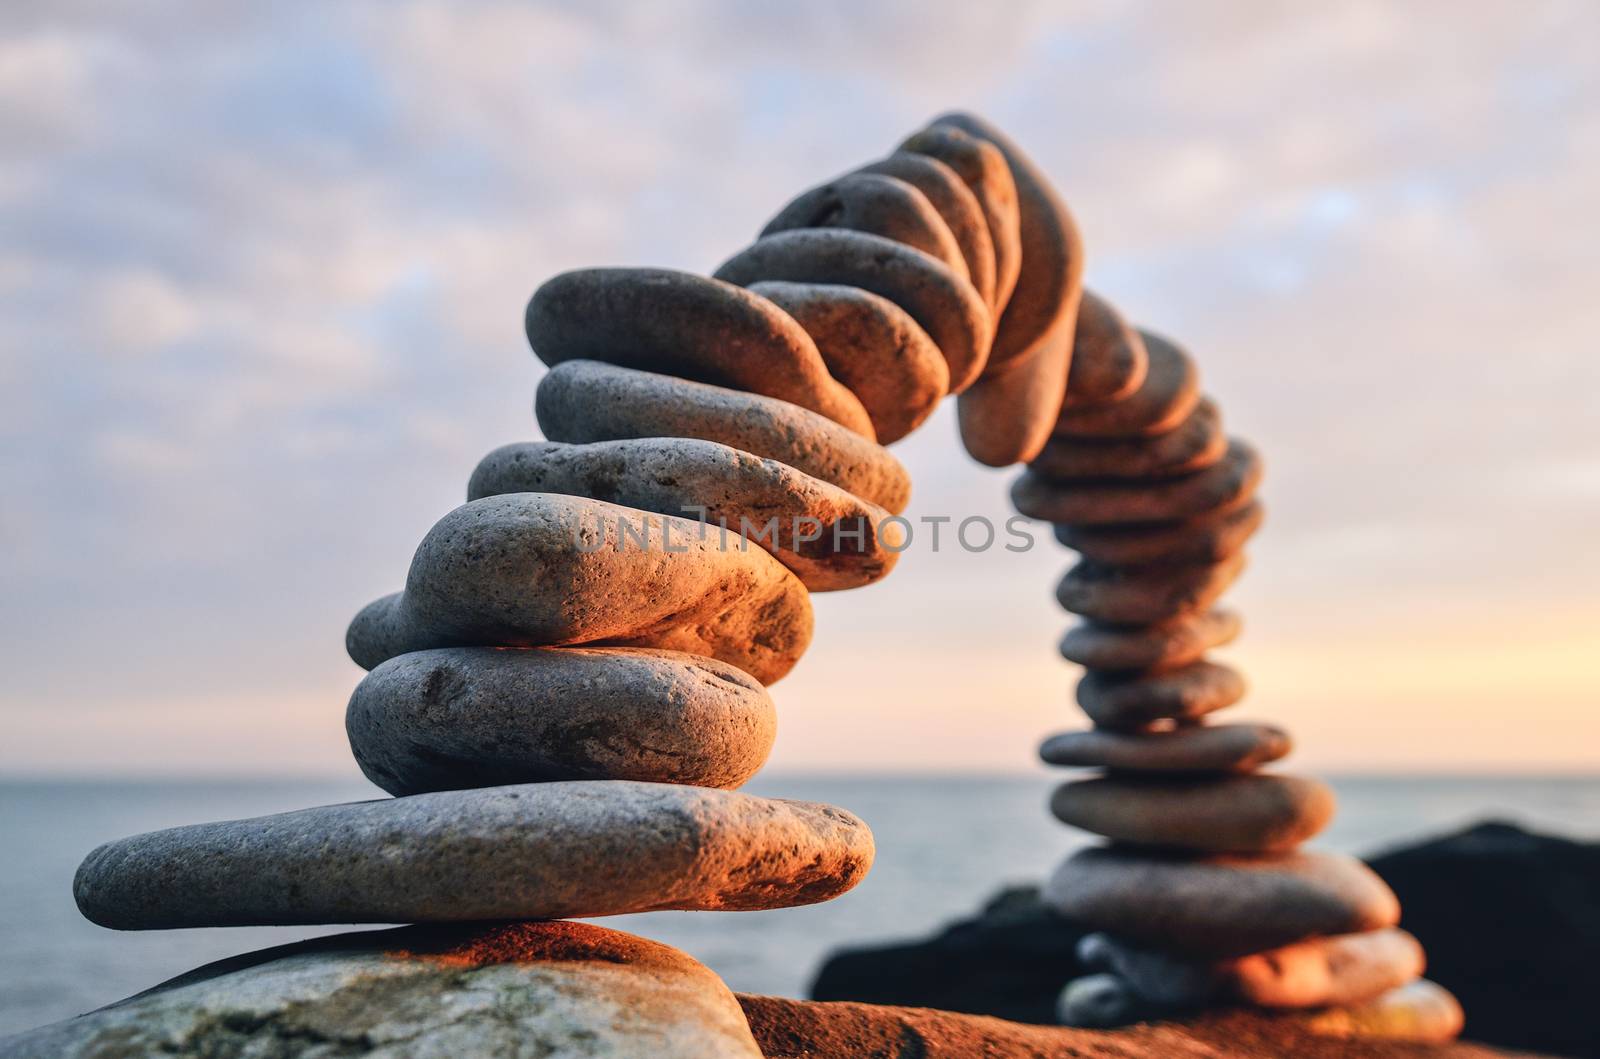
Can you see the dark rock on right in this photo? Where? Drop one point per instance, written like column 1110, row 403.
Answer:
column 1511, row 923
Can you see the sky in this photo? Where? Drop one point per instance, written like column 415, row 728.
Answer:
column 262, row 271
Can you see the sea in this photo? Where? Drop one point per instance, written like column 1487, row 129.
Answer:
column 945, row 845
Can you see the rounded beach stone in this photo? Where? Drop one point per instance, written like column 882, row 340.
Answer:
column 983, row 168
column 1420, row 1011
column 678, row 323
column 1097, row 1001
column 1161, row 981
column 877, row 204
column 1193, row 445
column 1256, row 813
column 537, row 569
column 1206, row 538
column 573, row 990
column 828, row 537
column 1227, row 484
column 534, row 851
column 1039, row 316
column 1005, row 416
column 584, row 401
column 1137, row 595
column 1124, row 702
column 1347, row 969
column 461, row 717
column 940, row 301
column 872, row 346
column 1222, row 905
column 1165, row 646
column 1190, row 748
column 956, row 203
column 1108, row 356
column 1169, row 392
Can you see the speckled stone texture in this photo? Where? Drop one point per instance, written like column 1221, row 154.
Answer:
column 460, row 717
column 519, row 989
column 533, row 851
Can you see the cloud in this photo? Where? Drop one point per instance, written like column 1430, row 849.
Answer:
column 261, row 291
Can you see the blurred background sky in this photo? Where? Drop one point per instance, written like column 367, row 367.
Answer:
column 262, row 270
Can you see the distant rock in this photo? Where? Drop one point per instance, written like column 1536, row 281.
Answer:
column 1511, row 923
column 1011, row 961
column 517, row 989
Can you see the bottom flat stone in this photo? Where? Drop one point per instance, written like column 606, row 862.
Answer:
column 532, row 851
column 518, row 989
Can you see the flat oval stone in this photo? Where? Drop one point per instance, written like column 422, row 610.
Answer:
column 983, row 168
column 1040, row 315
column 1140, row 595
column 829, row 538
column 1165, row 646
column 958, row 206
column 1160, row 981
column 1189, row 748
column 1222, row 905
column 1129, row 702
column 1257, row 813
column 1193, row 445
column 941, row 302
column 678, row 323
column 533, row 851
column 1169, row 392
column 1208, row 538
column 1109, row 361
column 872, row 346
column 1227, row 484
column 1419, row 1011
column 1005, row 416
column 538, row 569
column 462, row 717
column 584, row 401
column 1321, row 972
column 877, row 204
column 565, row 989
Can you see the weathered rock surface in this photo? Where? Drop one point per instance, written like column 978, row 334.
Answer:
column 1220, row 905
column 877, row 204
column 1258, row 813
column 1129, row 702
column 1193, row 445
column 1227, row 484
column 1511, row 923
column 872, row 346
column 518, row 571
column 462, row 717
column 1166, row 396
column 518, row 989
column 949, row 194
column 533, row 851
column 797, row 1029
column 1173, row 643
column 679, row 323
column 1207, row 538
column 586, row 400
column 940, row 301
column 1108, row 356
column 827, row 536
column 1144, row 595
column 1191, row 748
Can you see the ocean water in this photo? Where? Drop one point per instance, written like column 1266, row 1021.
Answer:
column 944, row 845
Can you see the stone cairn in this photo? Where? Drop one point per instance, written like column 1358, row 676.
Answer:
column 573, row 681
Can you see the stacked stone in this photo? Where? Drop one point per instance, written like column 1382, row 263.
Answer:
column 574, row 679
column 1202, row 895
